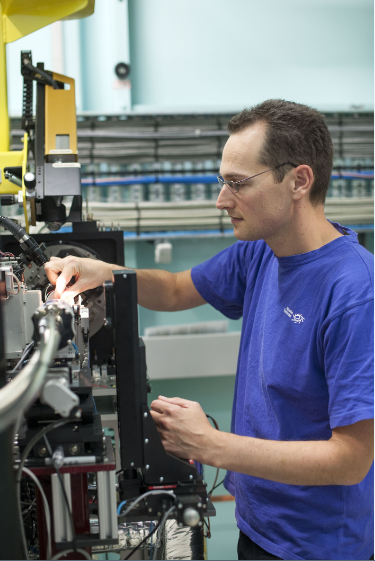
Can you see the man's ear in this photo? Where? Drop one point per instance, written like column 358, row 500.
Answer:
column 303, row 181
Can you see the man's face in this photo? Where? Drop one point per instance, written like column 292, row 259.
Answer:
column 262, row 208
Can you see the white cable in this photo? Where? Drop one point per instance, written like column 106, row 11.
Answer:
column 66, row 551
column 19, row 393
column 46, row 510
column 19, row 285
column 156, row 492
column 21, row 468
column 160, row 530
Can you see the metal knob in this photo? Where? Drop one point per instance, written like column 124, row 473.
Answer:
column 29, row 180
column 190, row 517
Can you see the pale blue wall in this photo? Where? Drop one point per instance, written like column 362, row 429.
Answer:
column 186, row 253
column 216, row 54
column 212, row 55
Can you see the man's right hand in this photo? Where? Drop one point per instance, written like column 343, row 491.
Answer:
column 88, row 273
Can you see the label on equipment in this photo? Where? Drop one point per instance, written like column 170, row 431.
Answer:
column 66, row 165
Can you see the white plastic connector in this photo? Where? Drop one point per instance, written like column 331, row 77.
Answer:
column 163, row 252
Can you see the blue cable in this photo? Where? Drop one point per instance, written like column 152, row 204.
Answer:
column 194, row 179
column 120, row 507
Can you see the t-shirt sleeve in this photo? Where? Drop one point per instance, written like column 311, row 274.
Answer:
column 221, row 281
column 349, row 365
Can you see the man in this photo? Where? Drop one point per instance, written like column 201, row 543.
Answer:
column 301, row 449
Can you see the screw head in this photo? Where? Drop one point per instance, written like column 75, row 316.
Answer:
column 161, row 479
column 131, row 464
column 125, row 276
column 145, row 414
column 180, row 524
column 42, row 451
column 146, row 440
column 147, row 466
column 190, row 477
column 204, row 506
column 199, row 505
column 74, row 449
column 150, row 509
column 200, row 523
column 179, row 505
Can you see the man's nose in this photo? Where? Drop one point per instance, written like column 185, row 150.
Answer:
column 225, row 199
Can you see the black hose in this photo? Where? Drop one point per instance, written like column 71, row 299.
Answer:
column 12, row 227
column 33, row 251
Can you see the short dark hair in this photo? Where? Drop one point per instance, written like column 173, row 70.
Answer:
column 294, row 133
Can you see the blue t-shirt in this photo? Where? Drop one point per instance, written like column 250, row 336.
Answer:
column 305, row 367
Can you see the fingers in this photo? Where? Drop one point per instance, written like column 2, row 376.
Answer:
column 177, row 401
column 53, row 268
column 66, row 274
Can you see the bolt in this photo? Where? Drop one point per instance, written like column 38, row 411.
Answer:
column 69, row 341
column 150, row 509
column 204, row 506
column 190, row 477
column 180, row 505
column 131, row 464
column 42, row 451
column 146, row 440
column 145, row 414
column 199, row 505
column 159, row 513
column 161, row 479
column 78, row 414
column 147, row 466
column 124, row 276
column 74, row 449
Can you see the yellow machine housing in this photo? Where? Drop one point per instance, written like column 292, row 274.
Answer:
column 60, row 115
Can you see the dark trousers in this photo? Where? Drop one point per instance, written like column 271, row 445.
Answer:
column 247, row 549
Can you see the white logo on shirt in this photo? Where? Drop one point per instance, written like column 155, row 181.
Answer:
column 296, row 318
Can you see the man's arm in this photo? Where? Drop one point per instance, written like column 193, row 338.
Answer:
column 344, row 459
column 157, row 290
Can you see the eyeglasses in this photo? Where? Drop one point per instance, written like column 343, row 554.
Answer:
column 233, row 185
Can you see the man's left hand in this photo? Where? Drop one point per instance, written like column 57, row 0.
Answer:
column 183, row 426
